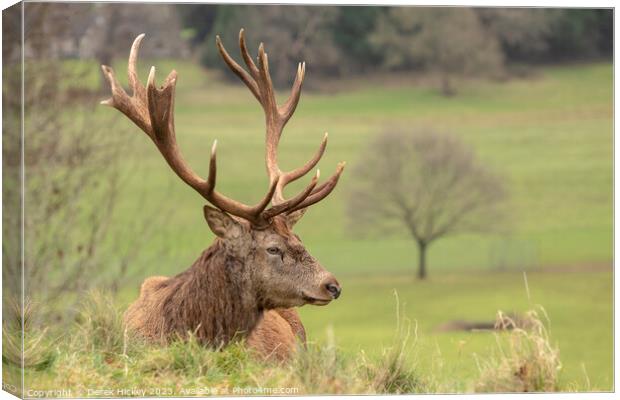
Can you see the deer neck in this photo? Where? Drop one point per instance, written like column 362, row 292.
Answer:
column 215, row 298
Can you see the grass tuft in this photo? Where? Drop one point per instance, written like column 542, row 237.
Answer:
column 394, row 372
column 526, row 361
column 100, row 326
column 38, row 347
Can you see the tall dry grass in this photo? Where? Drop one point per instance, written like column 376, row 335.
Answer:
column 19, row 325
column 525, row 360
column 99, row 352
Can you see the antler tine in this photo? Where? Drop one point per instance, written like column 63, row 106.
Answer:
column 133, row 107
column 236, row 68
column 269, row 97
column 151, row 108
column 288, row 108
column 252, row 214
column 258, row 80
column 295, row 201
column 132, row 70
column 212, row 167
column 246, row 54
column 297, row 173
column 322, row 191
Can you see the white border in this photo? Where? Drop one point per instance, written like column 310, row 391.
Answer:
column 506, row 3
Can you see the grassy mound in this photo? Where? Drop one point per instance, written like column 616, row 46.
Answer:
column 101, row 358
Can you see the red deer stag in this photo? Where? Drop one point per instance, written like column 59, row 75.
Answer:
column 247, row 283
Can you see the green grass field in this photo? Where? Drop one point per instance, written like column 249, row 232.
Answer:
column 578, row 304
column 550, row 136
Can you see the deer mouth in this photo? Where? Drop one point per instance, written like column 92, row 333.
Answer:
column 315, row 301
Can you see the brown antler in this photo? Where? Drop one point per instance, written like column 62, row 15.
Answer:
column 152, row 110
column 258, row 80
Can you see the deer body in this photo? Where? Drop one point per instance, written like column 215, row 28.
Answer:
column 247, row 283
column 215, row 300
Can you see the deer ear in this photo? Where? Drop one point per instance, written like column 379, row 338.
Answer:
column 222, row 224
column 294, row 217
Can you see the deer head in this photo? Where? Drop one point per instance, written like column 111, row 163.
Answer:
column 282, row 272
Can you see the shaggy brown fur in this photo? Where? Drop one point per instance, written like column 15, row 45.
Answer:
column 216, row 320
column 225, row 307
column 274, row 337
column 230, row 293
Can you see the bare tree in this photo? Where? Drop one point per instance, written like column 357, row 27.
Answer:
column 72, row 176
column 427, row 184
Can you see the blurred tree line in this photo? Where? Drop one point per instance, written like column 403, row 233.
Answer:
column 74, row 166
column 335, row 41
column 450, row 42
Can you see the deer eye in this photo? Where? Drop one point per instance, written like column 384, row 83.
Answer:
column 274, row 251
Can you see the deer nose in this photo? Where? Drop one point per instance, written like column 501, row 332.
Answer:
column 334, row 289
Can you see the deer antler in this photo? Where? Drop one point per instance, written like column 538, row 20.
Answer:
column 258, row 80
column 152, row 110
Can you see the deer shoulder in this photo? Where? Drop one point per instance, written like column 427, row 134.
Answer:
column 275, row 337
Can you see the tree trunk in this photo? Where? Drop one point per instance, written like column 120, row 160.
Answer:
column 446, row 85
column 422, row 260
